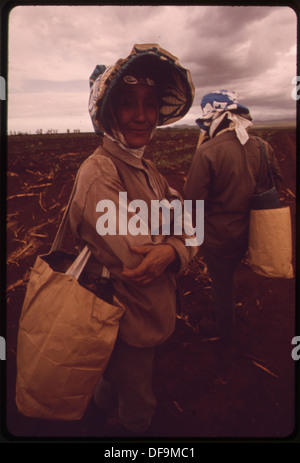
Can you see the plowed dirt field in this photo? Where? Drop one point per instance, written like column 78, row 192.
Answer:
column 203, row 391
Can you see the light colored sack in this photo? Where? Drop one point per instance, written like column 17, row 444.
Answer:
column 65, row 339
column 270, row 242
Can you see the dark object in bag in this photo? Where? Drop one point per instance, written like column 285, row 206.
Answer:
column 102, row 287
column 268, row 199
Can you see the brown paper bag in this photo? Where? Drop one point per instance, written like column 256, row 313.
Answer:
column 65, row 339
column 270, row 242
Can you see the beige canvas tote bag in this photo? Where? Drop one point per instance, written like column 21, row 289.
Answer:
column 270, row 232
column 270, row 242
column 65, row 339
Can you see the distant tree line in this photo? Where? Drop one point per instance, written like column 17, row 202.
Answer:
column 40, row 132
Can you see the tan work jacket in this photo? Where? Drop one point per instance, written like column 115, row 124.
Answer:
column 150, row 313
column 224, row 173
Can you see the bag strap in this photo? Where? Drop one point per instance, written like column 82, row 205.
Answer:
column 63, row 224
column 263, row 154
column 79, row 263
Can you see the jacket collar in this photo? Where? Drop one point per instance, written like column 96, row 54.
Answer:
column 113, row 149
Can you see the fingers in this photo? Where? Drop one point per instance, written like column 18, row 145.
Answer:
column 134, row 272
column 144, row 249
column 142, row 274
column 156, row 259
column 145, row 272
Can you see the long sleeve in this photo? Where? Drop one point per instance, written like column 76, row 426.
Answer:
column 99, row 187
column 199, row 177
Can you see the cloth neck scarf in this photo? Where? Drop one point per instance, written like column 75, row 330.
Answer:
column 118, row 138
column 237, row 123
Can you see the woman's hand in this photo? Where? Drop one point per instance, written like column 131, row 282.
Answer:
column 156, row 260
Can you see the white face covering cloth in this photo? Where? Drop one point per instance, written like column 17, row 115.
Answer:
column 237, row 123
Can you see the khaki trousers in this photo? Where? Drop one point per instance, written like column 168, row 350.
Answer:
column 127, row 383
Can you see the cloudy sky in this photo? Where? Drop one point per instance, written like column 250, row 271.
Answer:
column 54, row 49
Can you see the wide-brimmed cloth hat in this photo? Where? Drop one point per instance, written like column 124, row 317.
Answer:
column 172, row 82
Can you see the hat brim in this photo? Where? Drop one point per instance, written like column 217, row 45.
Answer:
column 173, row 82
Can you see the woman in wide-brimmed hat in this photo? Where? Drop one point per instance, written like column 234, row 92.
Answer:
column 127, row 102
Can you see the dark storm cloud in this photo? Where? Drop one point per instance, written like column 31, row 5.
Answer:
column 251, row 50
column 232, row 22
column 230, row 44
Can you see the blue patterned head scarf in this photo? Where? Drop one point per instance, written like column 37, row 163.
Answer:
column 221, row 104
